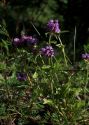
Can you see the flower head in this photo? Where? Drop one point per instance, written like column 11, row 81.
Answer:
column 85, row 56
column 24, row 38
column 16, row 41
column 53, row 26
column 29, row 39
column 21, row 76
column 32, row 40
column 47, row 51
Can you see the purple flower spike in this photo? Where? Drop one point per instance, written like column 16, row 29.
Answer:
column 16, row 41
column 50, row 25
column 21, row 76
column 53, row 26
column 57, row 30
column 47, row 51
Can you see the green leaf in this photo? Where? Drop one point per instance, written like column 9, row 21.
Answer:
column 58, row 45
column 5, row 45
column 1, row 79
column 2, row 66
column 35, row 75
column 80, row 104
column 54, row 42
column 45, row 66
column 2, row 110
column 76, row 91
column 48, row 101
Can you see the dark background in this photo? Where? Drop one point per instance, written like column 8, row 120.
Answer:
column 20, row 14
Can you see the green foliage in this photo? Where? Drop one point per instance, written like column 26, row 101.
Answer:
column 54, row 92
column 86, row 48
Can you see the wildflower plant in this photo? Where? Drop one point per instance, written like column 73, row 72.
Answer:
column 53, row 27
column 36, row 87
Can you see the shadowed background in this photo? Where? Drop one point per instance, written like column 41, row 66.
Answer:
column 20, row 14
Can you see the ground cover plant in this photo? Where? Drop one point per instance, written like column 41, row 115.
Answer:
column 39, row 85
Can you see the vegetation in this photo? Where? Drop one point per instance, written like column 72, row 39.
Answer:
column 43, row 78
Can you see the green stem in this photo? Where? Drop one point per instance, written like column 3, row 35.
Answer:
column 63, row 50
column 42, row 60
column 52, row 88
column 50, row 38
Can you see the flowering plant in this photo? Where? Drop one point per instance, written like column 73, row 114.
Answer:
column 39, row 84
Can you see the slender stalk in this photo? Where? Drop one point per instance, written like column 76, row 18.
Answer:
column 49, row 60
column 50, row 38
column 42, row 60
column 52, row 88
column 35, row 29
column 63, row 50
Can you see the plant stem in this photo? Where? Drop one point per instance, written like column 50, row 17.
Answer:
column 63, row 50
column 50, row 38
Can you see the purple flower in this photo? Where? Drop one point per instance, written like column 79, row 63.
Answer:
column 29, row 39
column 24, row 38
column 53, row 26
column 16, row 41
column 43, row 50
column 47, row 51
column 32, row 40
column 56, row 28
column 21, row 76
column 85, row 56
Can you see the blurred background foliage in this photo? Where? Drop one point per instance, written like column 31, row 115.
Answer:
column 21, row 14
